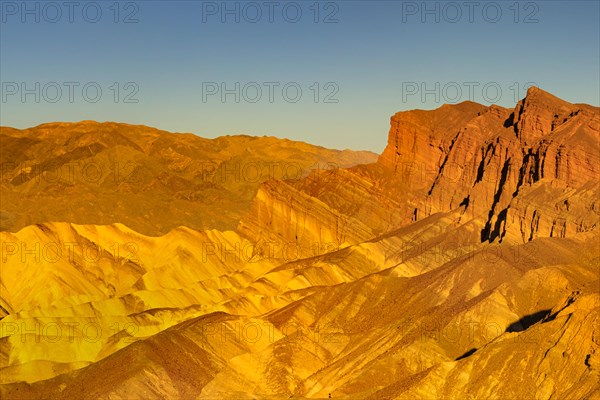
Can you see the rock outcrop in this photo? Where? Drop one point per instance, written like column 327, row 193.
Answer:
column 545, row 150
column 532, row 171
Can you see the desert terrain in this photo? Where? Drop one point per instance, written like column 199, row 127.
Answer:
column 461, row 263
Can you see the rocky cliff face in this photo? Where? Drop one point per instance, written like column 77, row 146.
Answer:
column 419, row 141
column 545, row 150
column 515, row 174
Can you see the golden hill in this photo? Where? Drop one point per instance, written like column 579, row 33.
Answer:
column 463, row 264
column 150, row 180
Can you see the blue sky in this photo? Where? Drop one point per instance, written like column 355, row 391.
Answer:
column 355, row 62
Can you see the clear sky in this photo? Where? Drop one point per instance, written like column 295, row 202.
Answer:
column 217, row 68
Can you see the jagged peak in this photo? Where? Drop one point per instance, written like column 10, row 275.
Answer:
column 538, row 114
column 538, row 98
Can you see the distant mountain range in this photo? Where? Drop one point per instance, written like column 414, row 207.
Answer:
column 151, row 180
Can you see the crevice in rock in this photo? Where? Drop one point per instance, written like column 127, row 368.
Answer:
column 499, row 226
column 510, row 121
column 5, row 311
column 486, row 232
column 516, row 120
column 441, row 170
column 526, row 170
column 552, row 317
column 535, row 222
column 481, row 168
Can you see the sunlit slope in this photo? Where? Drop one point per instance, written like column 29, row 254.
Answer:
column 107, row 286
column 150, row 180
column 388, row 317
column 380, row 329
column 77, row 293
column 108, row 277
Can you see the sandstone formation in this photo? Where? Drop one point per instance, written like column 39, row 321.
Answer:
column 515, row 174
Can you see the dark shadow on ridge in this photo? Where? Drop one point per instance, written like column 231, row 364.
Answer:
column 527, row 321
column 467, row 354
